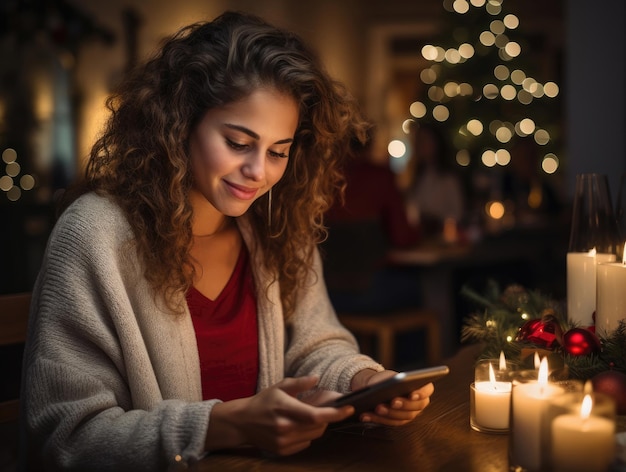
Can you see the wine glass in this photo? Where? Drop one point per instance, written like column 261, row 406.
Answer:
column 620, row 215
column 594, row 239
column 594, row 223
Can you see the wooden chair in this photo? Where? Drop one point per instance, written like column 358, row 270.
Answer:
column 385, row 328
column 13, row 325
column 14, row 318
column 351, row 254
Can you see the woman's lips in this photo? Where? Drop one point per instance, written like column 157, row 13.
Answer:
column 240, row 191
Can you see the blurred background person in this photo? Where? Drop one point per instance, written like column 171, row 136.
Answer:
column 369, row 221
column 535, row 198
column 435, row 192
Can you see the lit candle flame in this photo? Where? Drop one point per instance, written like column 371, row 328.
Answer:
column 585, row 408
column 502, row 361
column 536, row 360
column 492, row 375
column 542, row 377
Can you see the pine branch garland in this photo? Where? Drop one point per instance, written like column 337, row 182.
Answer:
column 500, row 314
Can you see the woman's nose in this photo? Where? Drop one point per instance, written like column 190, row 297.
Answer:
column 254, row 166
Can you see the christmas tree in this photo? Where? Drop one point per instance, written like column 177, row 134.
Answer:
column 481, row 88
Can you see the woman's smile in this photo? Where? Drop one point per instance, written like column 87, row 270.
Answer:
column 240, row 191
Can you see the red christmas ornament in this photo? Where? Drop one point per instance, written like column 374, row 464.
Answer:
column 612, row 383
column 552, row 324
column 542, row 333
column 581, row 342
column 527, row 329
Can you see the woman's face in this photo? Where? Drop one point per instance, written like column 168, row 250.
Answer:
column 239, row 151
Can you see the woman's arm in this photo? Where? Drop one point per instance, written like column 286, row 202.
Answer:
column 107, row 381
column 317, row 343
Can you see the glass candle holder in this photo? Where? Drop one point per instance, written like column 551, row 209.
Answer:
column 582, row 432
column 490, row 406
column 503, row 370
column 490, row 396
column 594, row 238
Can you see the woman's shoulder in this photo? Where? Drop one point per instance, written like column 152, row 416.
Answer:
column 92, row 204
column 92, row 217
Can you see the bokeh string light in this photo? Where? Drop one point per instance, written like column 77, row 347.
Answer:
column 478, row 87
column 12, row 184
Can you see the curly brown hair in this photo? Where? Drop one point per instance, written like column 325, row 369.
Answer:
column 142, row 158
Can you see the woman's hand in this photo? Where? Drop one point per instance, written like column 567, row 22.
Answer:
column 273, row 420
column 400, row 410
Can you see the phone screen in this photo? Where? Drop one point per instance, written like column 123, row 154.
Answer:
column 399, row 385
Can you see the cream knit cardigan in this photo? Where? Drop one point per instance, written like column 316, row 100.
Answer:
column 111, row 378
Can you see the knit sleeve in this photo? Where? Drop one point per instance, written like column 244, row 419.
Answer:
column 92, row 398
column 316, row 341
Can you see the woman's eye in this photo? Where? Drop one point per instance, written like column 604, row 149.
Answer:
column 240, row 147
column 278, row 154
column 236, row 146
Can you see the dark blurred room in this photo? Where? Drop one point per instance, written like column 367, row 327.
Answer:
column 60, row 59
column 484, row 113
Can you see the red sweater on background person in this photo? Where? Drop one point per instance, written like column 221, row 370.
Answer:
column 372, row 195
column 370, row 220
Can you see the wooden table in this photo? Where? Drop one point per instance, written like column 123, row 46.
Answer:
column 440, row 439
column 528, row 257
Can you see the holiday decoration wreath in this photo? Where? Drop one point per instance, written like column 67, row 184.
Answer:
column 521, row 322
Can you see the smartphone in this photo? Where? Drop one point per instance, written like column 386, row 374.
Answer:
column 400, row 385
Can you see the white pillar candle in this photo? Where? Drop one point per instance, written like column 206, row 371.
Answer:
column 530, row 403
column 493, row 404
column 581, row 285
column 582, row 443
column 611, row 295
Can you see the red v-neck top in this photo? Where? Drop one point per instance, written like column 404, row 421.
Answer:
column 227, row 335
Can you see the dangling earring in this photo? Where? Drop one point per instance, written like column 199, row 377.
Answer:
column 269, row 209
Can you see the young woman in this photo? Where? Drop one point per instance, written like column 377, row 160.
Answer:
column 180, row 308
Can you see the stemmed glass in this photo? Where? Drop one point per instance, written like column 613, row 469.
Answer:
column 620, row 214
column 594, row 239
column 594, row 223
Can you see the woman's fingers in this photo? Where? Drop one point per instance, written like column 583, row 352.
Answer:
column 401, row 410
column 279, row 422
